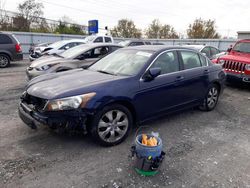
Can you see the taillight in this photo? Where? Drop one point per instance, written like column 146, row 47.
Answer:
column 18, row 48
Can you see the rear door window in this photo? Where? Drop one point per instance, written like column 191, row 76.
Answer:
column 190, row 59
column 5, row 39
column 98, row 39
column 96, row 52
column 108, row 39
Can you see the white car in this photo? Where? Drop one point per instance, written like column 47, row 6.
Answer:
column 61, row 46
column 99, row 39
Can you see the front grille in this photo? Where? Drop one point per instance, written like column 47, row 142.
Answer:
column 34, row 102
column 234, row 66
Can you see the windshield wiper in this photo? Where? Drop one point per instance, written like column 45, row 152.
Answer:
column 105, row 72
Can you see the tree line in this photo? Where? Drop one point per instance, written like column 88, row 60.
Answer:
column 30, row 18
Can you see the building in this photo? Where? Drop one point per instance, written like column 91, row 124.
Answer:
column 243, row 34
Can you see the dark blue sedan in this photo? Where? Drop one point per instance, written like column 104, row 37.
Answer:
column 130, row 86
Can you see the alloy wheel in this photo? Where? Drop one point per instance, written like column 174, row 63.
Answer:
column 3, row 61
column 212, row 97
column 113, row 125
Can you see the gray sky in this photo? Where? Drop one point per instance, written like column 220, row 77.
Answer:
column 230, row 15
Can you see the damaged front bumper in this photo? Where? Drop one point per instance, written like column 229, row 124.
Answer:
column 34, row 119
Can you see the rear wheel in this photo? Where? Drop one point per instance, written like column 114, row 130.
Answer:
column 111, row 125
column 4, row 61
column 211, row 98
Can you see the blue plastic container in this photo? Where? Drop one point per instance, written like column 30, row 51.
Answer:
column 146, row 151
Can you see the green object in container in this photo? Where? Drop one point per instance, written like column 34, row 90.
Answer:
column 146, row 173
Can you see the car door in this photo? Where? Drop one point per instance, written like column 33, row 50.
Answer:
column 165, row 92
column 196, row 76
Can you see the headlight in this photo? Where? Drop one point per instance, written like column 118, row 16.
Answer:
column 69, row 103
column 248, row 67
column 46, row 67
column 221, row 61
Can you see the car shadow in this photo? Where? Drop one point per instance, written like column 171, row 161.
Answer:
column 238, row 85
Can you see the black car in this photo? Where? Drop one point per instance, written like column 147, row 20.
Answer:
column 129, row 86
column 10, row 49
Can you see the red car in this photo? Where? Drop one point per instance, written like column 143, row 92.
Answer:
column 236, row 63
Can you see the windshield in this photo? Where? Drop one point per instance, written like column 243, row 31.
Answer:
column 123, row 62
column 57, row 44
column 242, row 47
column 89, row 39
column 75, row 51
column 124, row 43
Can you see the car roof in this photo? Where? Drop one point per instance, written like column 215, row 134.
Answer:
column 156, row 48
column 89, row 46
column 198, row 46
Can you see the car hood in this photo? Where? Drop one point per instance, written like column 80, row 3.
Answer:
column 236, row 58
column 69, row 83
column 45, row 60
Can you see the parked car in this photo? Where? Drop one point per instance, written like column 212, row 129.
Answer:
column 57, row 47
column 76, row 57
column 135, row 42
column 210, row 51
column 10, row 49
column 129, row 86
column 35, row 51
column 158, row 43
column 99, row 39
column 236, row 63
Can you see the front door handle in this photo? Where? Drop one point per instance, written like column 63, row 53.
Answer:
column 206, row 71
column 179, row 78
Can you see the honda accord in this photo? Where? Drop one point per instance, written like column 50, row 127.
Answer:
column 127, row 87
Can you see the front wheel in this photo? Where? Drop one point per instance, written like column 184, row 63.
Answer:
column 211, row 98
column 111, row 125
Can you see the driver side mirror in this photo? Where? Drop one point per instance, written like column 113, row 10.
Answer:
column 151, row 74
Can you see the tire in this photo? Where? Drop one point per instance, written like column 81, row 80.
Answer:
column 4, row 61
column 211, row 98
column 106, row 129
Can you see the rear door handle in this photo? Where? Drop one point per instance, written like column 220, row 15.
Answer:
column 179, row 78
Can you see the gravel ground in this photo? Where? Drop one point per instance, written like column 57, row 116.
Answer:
column 203, row 149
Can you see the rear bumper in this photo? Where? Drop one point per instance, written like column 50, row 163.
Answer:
column 18, row 57
column 34, row 119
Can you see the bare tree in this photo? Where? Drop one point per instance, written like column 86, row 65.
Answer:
column 31, row 11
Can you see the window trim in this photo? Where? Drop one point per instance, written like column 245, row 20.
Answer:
column 179, row 60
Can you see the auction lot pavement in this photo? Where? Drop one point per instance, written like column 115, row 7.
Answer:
column 203, row 149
